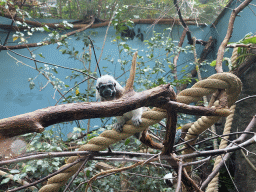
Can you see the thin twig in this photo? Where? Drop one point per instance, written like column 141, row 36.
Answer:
column 179, row 177
column 197, row 162
column 230, row 175
column 97, row 63
column 232, row 142
column 107, row 32
column 252, row 96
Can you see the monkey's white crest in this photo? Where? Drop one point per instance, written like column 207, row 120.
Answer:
column 107, row 89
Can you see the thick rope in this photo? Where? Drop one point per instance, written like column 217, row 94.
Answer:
column 227, row 81
column 215, row 144
column 213, row 185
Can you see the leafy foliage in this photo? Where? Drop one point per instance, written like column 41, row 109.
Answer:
column 203, row 10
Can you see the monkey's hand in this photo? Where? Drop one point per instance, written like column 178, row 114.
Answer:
column 136, row 116
column 136, row 120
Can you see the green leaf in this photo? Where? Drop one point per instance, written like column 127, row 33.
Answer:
column 63, row 51
column 41, row 55
column 250, row 40
column 30, row 168
column 16, row 177
column 76, row 52
column 40, row 162
column 88, row 173
column 213, row 63
column 77, row 129
column 56, row 163
column 14, row 171
column 6, row 180
column 32, row 85
column 127, row 141
column 55, row 71
column 46, row 29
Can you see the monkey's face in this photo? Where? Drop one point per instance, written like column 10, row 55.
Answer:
column 107, row 90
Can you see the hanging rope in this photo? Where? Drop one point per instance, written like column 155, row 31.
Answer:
column 226, row 81
column 215, row 144
column 213, row 186
column 234, row 57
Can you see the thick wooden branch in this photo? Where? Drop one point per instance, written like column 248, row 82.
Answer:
column 207, row 49
column 224, row 43
column 170, row 132
column 36, row 121
column 241, row 45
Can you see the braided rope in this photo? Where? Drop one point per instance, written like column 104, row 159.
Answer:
column 234, row 56
column 227, row 81
column 213, row 185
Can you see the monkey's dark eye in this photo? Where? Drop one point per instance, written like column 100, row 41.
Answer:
column 111, row 86
column 102, row 87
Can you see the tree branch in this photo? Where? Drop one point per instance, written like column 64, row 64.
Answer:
column 36, row 121
column 46, row 42
column 130, row 81
column 170, row 131
column 224, row 43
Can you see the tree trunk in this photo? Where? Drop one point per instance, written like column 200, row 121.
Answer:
column 245, row 178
